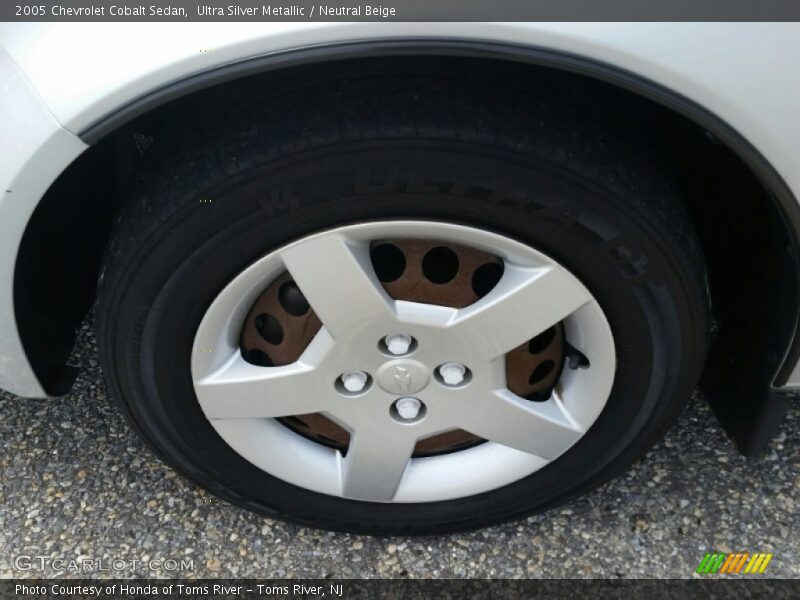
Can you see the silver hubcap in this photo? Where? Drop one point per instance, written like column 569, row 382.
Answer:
column 393, row 372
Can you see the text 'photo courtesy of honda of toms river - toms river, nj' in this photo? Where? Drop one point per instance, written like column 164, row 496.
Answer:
column 415, row 277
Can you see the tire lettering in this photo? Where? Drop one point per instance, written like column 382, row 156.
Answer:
column 365, row 185
column 280, row 199
column 566, row 214
column 630, row 259
column 417, row 183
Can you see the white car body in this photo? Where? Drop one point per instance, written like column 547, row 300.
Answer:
column 60, row 82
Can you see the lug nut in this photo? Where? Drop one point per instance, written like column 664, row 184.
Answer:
column 452, row 373
column 398, row 343
column 408, row 408
column 354, row 381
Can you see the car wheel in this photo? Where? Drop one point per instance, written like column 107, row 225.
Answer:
column 403, row 327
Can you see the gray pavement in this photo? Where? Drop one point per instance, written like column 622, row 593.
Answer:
column 76, row 484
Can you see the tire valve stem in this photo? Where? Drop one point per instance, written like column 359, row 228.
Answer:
column 575, row 358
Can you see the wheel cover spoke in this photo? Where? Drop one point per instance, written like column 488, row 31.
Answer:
column 544, row 429
column 544, row 295
column 336, row 276
column 240, row 390
column 375, row 464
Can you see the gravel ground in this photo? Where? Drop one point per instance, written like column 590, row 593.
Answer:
column 75, row 483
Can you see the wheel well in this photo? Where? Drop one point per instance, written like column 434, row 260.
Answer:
column 744, row 231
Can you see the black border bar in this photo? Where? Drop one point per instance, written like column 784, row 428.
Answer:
column 398, row 10
column 708, row 587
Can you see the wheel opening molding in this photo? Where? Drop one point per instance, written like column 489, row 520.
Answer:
column 579, row 65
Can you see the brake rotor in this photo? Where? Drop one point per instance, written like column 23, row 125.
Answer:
column 281, row 324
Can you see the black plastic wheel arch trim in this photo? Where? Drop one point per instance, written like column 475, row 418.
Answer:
column 765, row 172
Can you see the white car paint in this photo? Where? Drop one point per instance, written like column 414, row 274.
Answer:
column 78, row 73
column 34, row 149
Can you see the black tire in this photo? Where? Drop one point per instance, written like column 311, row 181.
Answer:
column 594, row 197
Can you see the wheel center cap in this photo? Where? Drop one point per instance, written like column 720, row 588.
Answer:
column 403, row 376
